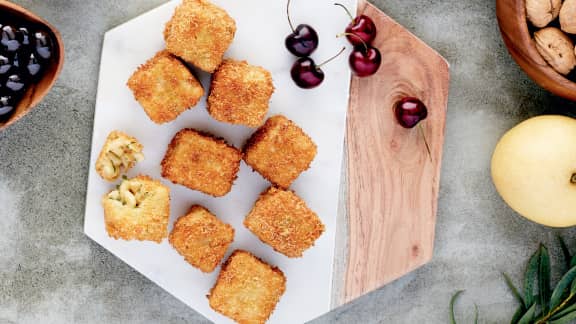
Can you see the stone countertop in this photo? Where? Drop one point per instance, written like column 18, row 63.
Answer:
column 51, row 273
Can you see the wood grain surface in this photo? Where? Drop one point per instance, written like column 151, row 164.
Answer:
column 393, row 182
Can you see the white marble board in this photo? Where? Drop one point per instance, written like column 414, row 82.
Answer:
column 321, row 112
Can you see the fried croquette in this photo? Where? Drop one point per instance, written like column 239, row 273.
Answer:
column 280, row 151
column 118, row 155
column 240, row 93
column 201, row 162
column 282, row 220
column 165, row 87
column 138, row 210
column 247, row 289
column 199, row 33
column 201, row 238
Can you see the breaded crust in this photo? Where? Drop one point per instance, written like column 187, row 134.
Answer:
column 201, row 238
column 199, row 33
column 280, row 151
column 282, row 220
column 247, row 289
column 138, row 210
column 119, row 154
column 201, row 162
column 165, row 87
column 240, row 93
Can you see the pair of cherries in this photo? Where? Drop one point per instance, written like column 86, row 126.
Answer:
column 364, row 59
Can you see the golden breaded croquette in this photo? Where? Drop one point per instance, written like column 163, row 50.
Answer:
column 201, row 238
column 139, row 209
column 199, row 33
column 118, row 155
column 280, row 151
column 165, row 87
column 201, row 162
column 282, row 220
column 240, row 93
column 247, row 289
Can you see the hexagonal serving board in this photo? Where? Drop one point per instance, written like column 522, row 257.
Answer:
column 393, row 186
column 262, row 27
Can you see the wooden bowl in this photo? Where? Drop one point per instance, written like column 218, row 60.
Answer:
column 35, row 92
column 514, row 28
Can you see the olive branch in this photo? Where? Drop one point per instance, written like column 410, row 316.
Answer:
column 537, row 304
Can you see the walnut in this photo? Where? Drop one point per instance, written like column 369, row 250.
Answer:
column 556, row 48
column 568, row 16
column 541, row 12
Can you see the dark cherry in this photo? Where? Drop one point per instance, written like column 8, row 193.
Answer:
column 6, row 106
column 5, row 65
column 410, row 111
column 306, row 74
column 10, row 38
column 303, row 41
column 365, row 60
column 43, row 45
column 15, row 83
column 362, row 26
column 33, row 67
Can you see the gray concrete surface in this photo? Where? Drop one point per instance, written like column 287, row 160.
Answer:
column 51, row 273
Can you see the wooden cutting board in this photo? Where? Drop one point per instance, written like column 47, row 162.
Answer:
column 393, row 182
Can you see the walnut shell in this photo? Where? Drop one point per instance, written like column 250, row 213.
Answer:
column 568, row 16
column 556, row 48
column 541, row 12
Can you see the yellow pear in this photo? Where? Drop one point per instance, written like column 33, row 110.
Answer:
column 534, row 170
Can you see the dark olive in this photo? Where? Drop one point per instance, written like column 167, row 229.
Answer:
column 43, row 45
column 33, row 67
column 9, row 38
column 6, row 105
column 15, row 83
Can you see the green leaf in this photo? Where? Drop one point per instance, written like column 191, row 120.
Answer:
column 528, row 316
column 544, row 279
column 475, row 314
column 519, row 312
column 513, row 289
column 452, row 302
column 565, row 252
column 530, row 278
column 567, row 319
column 563, row 312
column 561, row 287
column 573, row 261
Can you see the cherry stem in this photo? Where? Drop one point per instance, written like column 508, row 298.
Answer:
column 573, row 179
column 347, row 11
column 426, row 141
column 360, row 38
column 288, row 15
column 330, row 59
